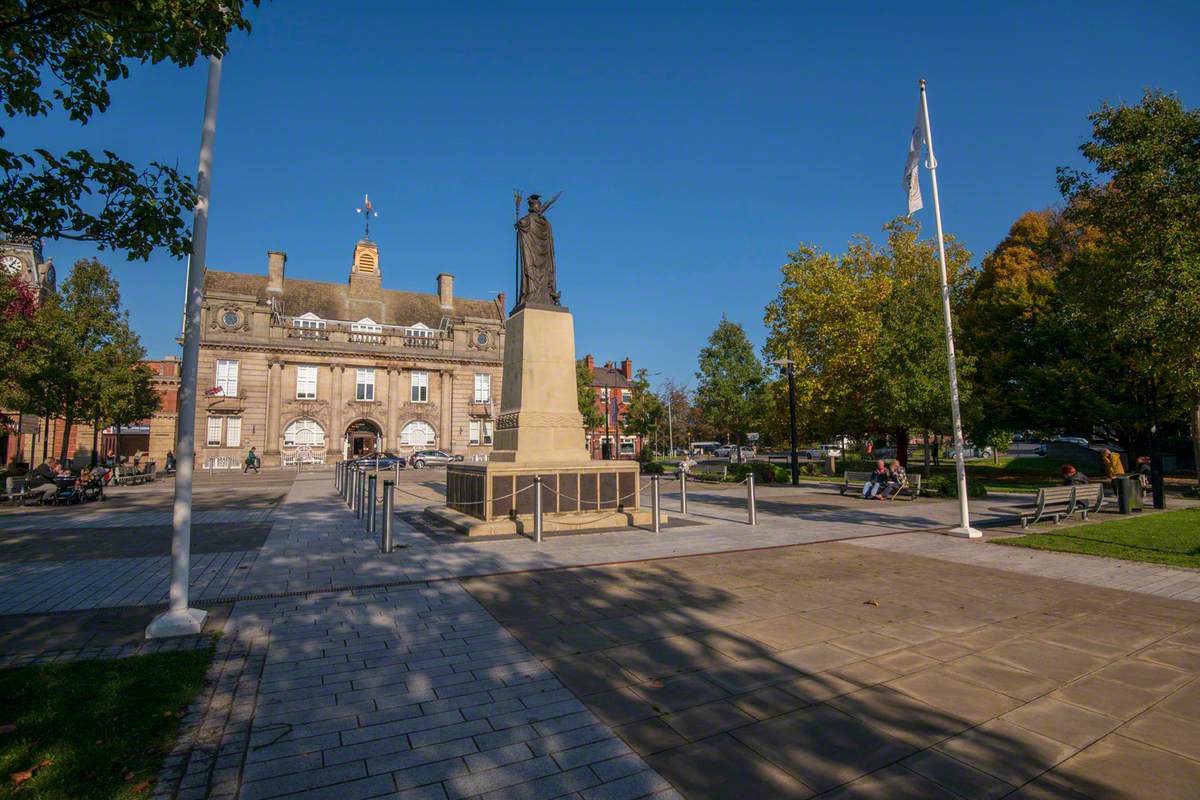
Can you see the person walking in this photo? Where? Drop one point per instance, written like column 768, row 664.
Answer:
column 252, row 462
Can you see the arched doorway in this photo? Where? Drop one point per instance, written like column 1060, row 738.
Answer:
column 418, row 434
column 363, row 437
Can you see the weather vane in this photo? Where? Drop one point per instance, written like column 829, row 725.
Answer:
column 367, row 211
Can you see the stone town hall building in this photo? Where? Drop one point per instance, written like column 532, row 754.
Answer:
column 301, row 367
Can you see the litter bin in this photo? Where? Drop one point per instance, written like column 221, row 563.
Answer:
column 1129, row 494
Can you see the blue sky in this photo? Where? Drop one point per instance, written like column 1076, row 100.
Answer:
column 696, row 144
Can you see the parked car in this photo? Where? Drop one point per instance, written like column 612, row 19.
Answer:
column 821, row 451
column 730, row 451
column 431, row 458
column 1079, row 440
column 386, row 461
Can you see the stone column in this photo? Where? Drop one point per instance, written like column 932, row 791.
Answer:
column 392, row 435
column 333, row 436
column 446, row 426
column 274, row 401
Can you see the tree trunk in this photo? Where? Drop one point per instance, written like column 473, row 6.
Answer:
column 902, row 446
column 927, row 454
column 46, row 440
column 1196, row 435
column 68, row 421
column 95, row 441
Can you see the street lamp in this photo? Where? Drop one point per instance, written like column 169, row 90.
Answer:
column 789, row 367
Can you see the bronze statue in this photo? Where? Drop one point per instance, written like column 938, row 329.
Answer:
column 535, row 242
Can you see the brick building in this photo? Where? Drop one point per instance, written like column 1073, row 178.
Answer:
column 614, row 392
column 301, row 368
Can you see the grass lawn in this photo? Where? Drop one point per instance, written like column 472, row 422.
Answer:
column 93, row 729
column 1171, row 537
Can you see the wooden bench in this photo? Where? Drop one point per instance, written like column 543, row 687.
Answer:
column 1056, row 502
column 856, row 480
column 1089, row 497
column 912, row 488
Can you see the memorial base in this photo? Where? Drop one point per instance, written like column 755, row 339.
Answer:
column 497, row 498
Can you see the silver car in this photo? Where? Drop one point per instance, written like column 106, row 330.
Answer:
column 431, row 458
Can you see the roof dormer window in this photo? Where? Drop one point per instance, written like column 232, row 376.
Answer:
column 419, row 330
column 309, row 320
column 366, row 325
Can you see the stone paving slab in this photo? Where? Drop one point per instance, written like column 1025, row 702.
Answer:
column 835, row 670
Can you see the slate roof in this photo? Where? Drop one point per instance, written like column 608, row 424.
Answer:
column 333, row 301
column 611, row 377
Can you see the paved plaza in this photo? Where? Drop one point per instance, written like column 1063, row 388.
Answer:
column 838, row 649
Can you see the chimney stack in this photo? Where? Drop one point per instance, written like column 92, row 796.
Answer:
column 627, row 368
column 275, row 261
column 591, row 362
column 446, row 290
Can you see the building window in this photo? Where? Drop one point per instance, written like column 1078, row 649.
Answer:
column 364, row 388
column 420, row 387
column 233, row 432
column 417, row 434
column 306, row 383
column 626, row 396
column 227, row 378
column 628, row 445
column 366, row 325
column 483, row 388
column 481, row 431
column 303, row 432
column 419, row 330
column 214, row 432
column 309, row 320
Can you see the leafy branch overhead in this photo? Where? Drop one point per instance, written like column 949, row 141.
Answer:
column 82, row 47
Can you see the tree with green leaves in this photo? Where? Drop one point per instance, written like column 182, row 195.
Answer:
column 1132, row 299
column 64, row 54
column 645, row 413
column 731, row 377
column 864, row 329
column 586, row 396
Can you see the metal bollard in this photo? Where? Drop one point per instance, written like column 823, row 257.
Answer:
column 537, row 508
column 345, row 480
column 682, row 492
column 385, row 541
column 752, row 512
column 654, row 501
column 347, row 483
column 362, row 495
column 397, row 479
column 371, row 483
column 359, row 486
column 352, row 500
column 337, row 477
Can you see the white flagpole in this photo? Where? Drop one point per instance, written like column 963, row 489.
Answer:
column 179, row 619
column 964, row 528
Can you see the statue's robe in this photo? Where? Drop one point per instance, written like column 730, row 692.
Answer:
column 538, row 284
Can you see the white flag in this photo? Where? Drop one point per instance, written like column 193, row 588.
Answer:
column 912, row 183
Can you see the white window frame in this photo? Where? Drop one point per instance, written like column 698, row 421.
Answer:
column 475, row 430
column 304, row 432
column 483, row 387
column 418, row 383
column 627, row 440
column 487, row 431
column 213, row 438
column 626, row 395
column 420, row 330
column 309, row 320
column 306, row 382
column 233, row 432
column 227, row 377
column 429, row 434
column 366, row 325
column 364, row 384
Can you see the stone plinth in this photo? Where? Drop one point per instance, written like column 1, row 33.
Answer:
column 539, row 432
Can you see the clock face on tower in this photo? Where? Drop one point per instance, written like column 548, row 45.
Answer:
column 11, row 265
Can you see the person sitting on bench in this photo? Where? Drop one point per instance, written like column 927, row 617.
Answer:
column 897, row 479
column 877, row 481
column 41, row 481
column 1072, row 476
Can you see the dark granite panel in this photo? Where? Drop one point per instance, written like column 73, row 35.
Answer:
column 502, row 501
column 587, row 492
column 628, row 485
column 524, row 494
column 568, row 491
column 549, row 494
column 608, row 490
